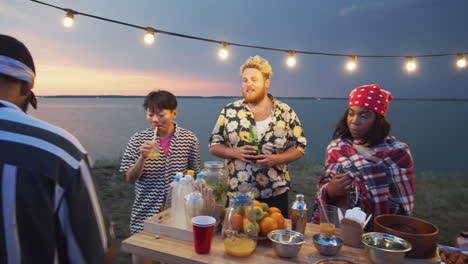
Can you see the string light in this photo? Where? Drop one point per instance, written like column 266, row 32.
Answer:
column 351, row 64
column 461, row 61
column 223, row 52
column 291, row 60
column 411, row 65
column 149, row 36
column 67, row 21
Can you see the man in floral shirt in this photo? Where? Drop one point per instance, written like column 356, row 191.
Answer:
column 258, row 119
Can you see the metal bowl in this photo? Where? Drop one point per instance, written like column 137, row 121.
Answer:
column 384, row 248
column 327, row 244
column 286, row 243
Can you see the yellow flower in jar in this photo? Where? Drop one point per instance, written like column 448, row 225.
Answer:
column 297, row 132
column 245, row 136
column 242, row 114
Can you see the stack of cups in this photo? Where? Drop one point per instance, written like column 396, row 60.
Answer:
column 203, row 227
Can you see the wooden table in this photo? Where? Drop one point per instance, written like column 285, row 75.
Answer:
column 170, row 250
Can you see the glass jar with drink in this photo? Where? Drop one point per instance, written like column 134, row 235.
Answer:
column 329, row 219
column 240, row 228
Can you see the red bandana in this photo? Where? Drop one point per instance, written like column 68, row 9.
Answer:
column 371, row 97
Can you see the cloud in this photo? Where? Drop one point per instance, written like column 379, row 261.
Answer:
column 13, row 9
column 68, row 79
column 375, row 6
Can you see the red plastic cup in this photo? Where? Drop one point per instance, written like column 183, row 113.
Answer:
column 203, row 227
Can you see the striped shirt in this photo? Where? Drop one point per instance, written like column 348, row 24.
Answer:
column 152, row 187
column 50, row 210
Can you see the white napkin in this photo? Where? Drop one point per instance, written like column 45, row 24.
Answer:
column 356, row 214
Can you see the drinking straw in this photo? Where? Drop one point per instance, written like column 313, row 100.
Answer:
column 322, row 208
column 155, row 134
column 367, row 220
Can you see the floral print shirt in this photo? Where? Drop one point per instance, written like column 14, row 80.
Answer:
column 283, row 132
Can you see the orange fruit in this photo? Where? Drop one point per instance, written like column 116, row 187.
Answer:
column 236, row 221
column 267, row 225
column 257, row 203
column 248, row 212
column 279, row 219
column 274, row 210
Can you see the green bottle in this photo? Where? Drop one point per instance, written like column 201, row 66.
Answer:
column 252, row 140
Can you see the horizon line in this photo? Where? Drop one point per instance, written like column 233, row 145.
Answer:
column 220, row 97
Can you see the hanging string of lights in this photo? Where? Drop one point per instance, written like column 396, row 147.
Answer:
column 223, row 53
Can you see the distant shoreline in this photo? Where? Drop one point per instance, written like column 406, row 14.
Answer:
column 234, row 97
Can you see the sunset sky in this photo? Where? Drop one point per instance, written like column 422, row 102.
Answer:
column 100, row 58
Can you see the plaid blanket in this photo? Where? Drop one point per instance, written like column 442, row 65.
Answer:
column 384, row 180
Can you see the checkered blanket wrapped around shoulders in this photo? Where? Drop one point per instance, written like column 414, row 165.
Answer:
column 383, row 182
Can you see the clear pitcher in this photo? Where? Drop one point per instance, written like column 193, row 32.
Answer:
column 240, row 229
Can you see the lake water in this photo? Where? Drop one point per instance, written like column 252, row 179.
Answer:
column 434, row 130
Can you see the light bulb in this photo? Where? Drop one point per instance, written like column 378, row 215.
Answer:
column 291, row 60
column 411, row 65
column 67, row 21
column 223, row 52
column 351, row 64
column 461, row 61
column 149, row 36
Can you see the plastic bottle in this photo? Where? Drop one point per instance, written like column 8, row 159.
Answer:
column 191, row 173
column 193, row 207
column 189, row 186
column 179, row 212
column 200, row 181
column 175, row 185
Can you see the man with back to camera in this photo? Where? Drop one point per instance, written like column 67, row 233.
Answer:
column 50, row 210
column 277, row 132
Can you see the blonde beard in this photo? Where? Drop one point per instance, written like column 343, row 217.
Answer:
column 254, row 99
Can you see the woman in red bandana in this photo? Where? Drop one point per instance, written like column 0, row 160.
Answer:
column 364, row 167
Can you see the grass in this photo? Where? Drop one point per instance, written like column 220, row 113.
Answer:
column 440, row 199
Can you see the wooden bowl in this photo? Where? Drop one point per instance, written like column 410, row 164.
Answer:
column 422, row 235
